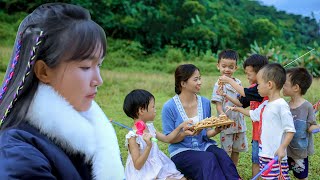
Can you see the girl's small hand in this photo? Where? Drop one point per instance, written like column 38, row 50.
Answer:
column 147, row 138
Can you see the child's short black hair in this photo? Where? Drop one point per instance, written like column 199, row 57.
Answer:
column 135, row 100
column 301, row 77
column 256, row 61
column 228, row 54
column 274, row 72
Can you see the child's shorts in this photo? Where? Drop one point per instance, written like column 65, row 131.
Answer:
column 300, row 167
column 255, row 152
column 276, row 171
column 234, row 142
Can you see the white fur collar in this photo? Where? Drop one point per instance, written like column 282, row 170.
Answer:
column 89, row 132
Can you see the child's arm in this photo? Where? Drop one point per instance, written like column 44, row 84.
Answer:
column 233, row 100
column 311, row 119
column 180, row 137
column 219, row 107
column 233, row 83
column 217, row 98
column 172, row 136
column 281, row 152
column 215, row 131
column 288, row 127
column 240, row 109
column 137, row 158
column 313, row 127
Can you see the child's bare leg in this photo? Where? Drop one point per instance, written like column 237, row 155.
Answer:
column 235, row 157
column 255, row 169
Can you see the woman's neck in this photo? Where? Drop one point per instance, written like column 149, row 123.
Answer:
column 187, row 98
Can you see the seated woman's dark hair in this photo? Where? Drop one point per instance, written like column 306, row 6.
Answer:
column 183, row 73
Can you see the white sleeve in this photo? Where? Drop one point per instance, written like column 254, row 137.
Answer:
column 255, row 114
column 287, row 119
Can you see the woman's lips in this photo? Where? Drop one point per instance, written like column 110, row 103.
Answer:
column 92, row 96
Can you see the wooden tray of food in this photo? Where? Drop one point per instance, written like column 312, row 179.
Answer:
column 222, row 120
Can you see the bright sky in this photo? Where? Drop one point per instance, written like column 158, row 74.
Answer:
column 303, row 7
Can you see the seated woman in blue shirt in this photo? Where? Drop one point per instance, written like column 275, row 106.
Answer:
column 197, row 156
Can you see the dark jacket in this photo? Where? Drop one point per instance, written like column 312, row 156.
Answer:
column 37, row 157
column 57, row 142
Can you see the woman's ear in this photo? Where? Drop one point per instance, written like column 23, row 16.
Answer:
column 41, row 71
column 183, row 84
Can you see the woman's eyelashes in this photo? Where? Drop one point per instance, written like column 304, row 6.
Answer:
column 85, row 68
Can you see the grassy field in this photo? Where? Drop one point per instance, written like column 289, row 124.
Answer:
column 118, row 84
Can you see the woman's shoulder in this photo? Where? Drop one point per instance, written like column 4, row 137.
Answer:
column 204, row 99
column 20, row 134
column 23, row 138
column 169, row 104
column 169, row 101
column 31, row 149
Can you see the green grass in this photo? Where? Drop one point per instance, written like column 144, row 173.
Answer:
column 118, row 84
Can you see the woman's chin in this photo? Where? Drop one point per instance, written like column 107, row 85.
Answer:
column 84, row 107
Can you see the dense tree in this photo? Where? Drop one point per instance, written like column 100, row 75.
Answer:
column 192, row 24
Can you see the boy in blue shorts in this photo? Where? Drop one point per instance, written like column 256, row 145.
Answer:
column 301, row 147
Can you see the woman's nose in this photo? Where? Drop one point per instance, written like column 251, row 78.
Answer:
column 97, row 80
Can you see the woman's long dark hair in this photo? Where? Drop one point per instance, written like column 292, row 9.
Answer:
column 53, row 32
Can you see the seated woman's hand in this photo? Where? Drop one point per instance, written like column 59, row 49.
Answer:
column 186, row 124
column 189, row 131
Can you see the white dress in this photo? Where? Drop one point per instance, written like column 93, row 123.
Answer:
column 157, row 166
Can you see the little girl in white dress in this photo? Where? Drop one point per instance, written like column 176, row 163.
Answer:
column 145, row 160
column 157, row 166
